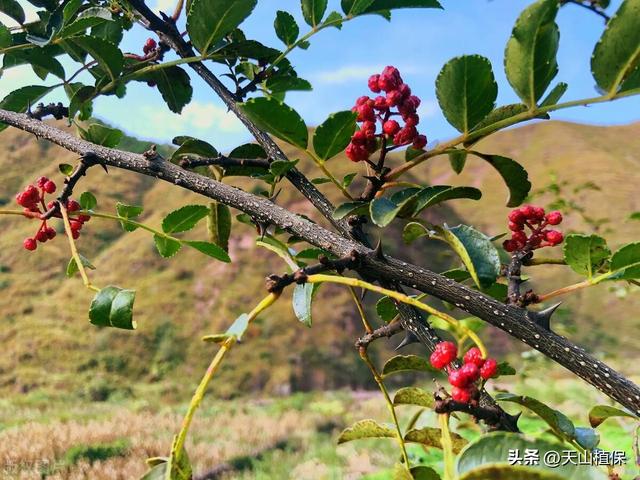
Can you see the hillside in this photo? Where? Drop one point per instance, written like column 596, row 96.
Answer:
column 50, row 348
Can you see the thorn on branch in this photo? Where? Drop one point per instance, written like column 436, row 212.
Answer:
column 543, row 317
column 408, row 339
column 57, row 110
column 152, row 153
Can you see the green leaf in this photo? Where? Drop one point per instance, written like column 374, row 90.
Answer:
column 491, row 451
column 209, row 21
column 40, row 59
column 432, row 195
column 365, row 429
column 385, row 5
column 348, row 179
column 279, row 248
column 88, row 201
column 113, row 307
column 302, row 300
column 80, row 97
column 466, row 91
column 413, row 396
column 219, row 224
column 5, row 37
column 167, row 247
column 105, row 53
column 476, row 251
column 382, row 211
column 615, row 62
column 278, row 119
column 65, row 169
column 514, row 175
column 530, row 57
column 179, row 466
column 509, row 472
column 12, row 9
column 286, row 28
column 504, row 369
column 101, row 135
column 128, row 211
column 239, row 327
column 555, row 94
column 600, row 413
column 72, row 266
column 210, row 249
column 386, row 309
column 286, row 83
column 88, row 18
column 422, row 472
column 19, row 100
column 431, row 437
column 414, row 230
column 587, row 438
column 501, row 113
column 355, row 7
column 457, row 159
column 334, row 134
column 585, row 254
column 403, row 363
column 279, row 168
column 193, row 147
column 350, row 208
column 173, row 84
column 559, row 422
column 313, row 11
column 625, row 263
column 184, row 218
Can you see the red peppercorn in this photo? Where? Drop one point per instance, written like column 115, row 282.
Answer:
column 458, row 379
column 474, row 355
column 461, row 395
column 554, row 218
column 489, row 369
column 49, row 187
column 554, row 237
column 391, row 127
column 373, row 83
column 73, row 206
column 30, row 244
column 149, row 46
column 420, row 142
column 471, row 371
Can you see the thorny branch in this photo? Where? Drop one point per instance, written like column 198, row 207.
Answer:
column 489, row 415
column 223, row 161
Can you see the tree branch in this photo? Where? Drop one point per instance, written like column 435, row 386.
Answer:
column 514, row 320
column 224, row 162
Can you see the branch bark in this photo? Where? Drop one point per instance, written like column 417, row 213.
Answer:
column 512, row 319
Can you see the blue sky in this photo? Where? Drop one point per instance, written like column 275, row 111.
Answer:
column 338, row 64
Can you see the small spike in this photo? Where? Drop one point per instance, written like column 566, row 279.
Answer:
column 543, row 317
column 379, row 254
column 513, row 419
column 408, row 339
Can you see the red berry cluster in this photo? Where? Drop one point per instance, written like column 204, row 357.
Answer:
column 380, row 109
column 464, row 380
column 535, row 219
column 32, row 199
column 149, row 46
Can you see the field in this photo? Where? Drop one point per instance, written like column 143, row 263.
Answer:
column 290, row 437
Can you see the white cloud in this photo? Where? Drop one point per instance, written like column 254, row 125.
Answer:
column 197, row 118
column 165, row 6
column 347, row 74
column 17, row 77
column 351, row 73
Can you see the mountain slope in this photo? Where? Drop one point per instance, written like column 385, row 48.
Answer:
column 49, row 345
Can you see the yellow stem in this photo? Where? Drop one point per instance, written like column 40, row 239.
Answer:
column 564, row 290
column 447, row 447
column 388, row 401
column 363, row 316
column 198, row 395
column 74, row 250
column 355, row 282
